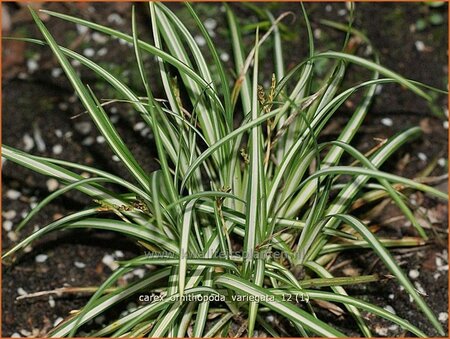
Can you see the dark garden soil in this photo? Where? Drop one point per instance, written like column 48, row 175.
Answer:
column 38, row 104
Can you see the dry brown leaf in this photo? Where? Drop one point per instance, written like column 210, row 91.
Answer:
column 333, row 308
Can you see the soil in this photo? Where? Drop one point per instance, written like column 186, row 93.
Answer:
column 36, row 100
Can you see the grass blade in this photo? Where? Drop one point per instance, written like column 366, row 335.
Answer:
column 391, row 265
column 286, row 309
column 96, row 112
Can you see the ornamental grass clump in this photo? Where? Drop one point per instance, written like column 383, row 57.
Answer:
column 249, row 205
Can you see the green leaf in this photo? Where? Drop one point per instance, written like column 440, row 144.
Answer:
column 96, row 112
column 387, row 259
column 145, row 46
column 285, row 309
column 109, row 300
column 375, row 67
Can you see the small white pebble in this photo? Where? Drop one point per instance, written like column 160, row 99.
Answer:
column 40, row 258
column 58, row 321
column 108, row 260
column 102, row 51
column 25, row 333
column 11, row 214
column 115, row 18
column 58, row 133
column 73, row 98
column 13, row 194
column 368, row 51
column 443, row 268
column 28, row 249
column 21, row 291
column 419, row 288
column 56, row 72
column 16, row 335
column 115, row 158
column 224, row 56
column 125, row 43
column 317, row 33
column 57, row 149
column 100, row 139
column 436, row 275
column 420, row 46
column 445, row 124
column 99, row 38
column 328, row 8
column 393, row 328
column 89, row 52
column 270, row 318
column 381, row 331
column 63, row 106
column 51, row 301
column 439, row 262
column 82, row 29
column 145, row 132
column 12, row 236
column 22, row 75
column 200, row 40
column 79, row 264
column 390, row 309
column 128, row 276
column 422, row 156
column 52, row 185
column 441, row 162
column 88, row 141
column 342, row 12
column 139, row 273
column 7, row 225
column 119, row 254
column 140, row 125
column 391, row 296
column 413, row 274
column 75, row 63
column 443, row 317
column 387, row 122
column 32, row 65
column 210, row 23
column 28, row 142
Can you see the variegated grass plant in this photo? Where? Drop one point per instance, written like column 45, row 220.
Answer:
column 240, row 167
